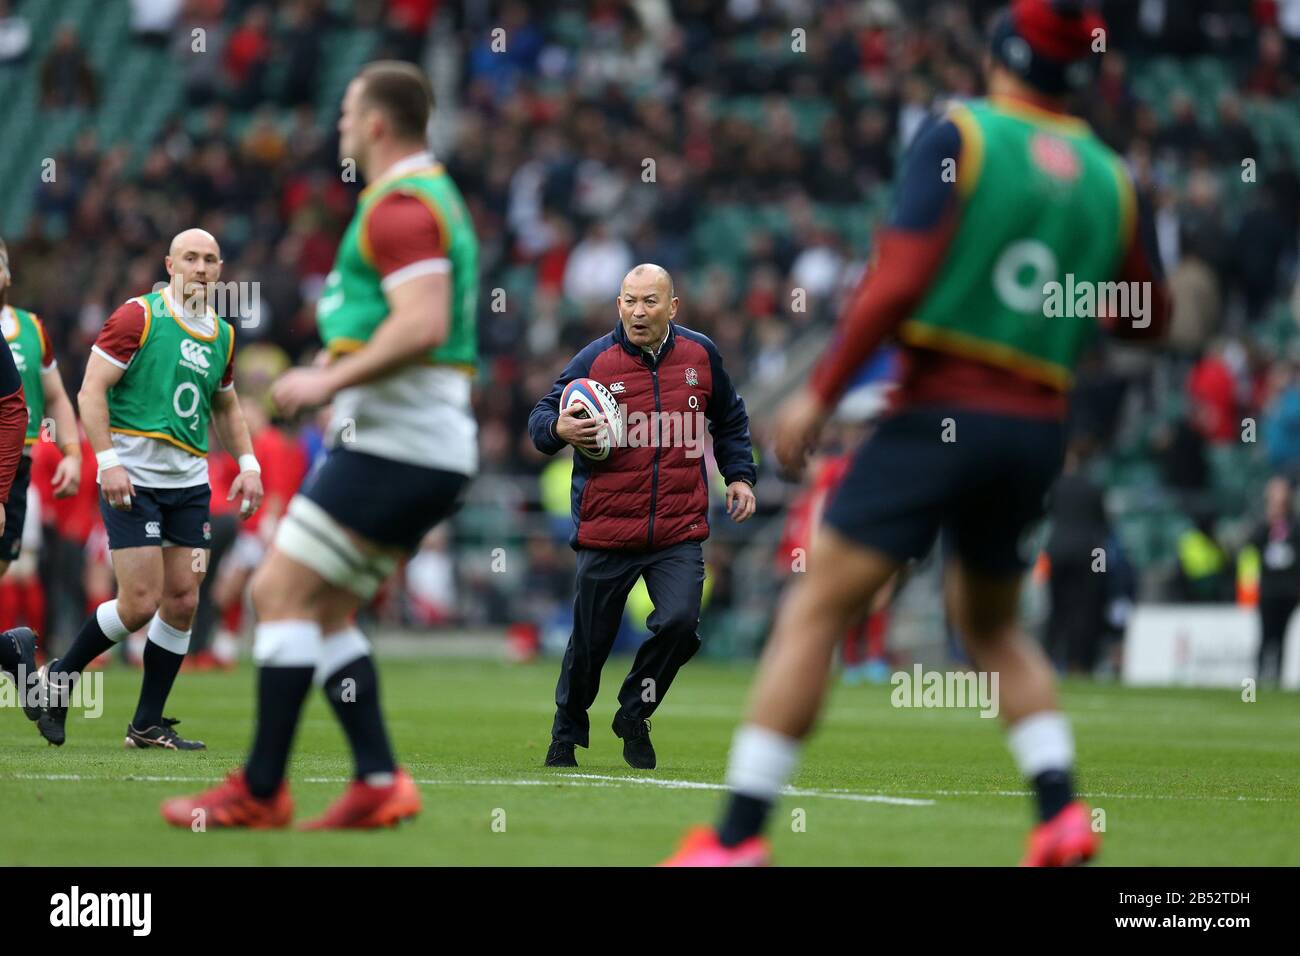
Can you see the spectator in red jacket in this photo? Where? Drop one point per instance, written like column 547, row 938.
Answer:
column 1213, row 392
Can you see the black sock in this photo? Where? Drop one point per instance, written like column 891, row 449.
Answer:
column 89, row 643
column 9, row 656
column 1054, row 791
column 281, row 692
column 356, row 705
column 160, row 669
column 744, row 818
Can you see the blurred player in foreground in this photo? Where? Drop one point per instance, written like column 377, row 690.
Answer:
column 20, row 425
column 977, row 437
column 397, row 315
column 46, row 400
column 159, row 373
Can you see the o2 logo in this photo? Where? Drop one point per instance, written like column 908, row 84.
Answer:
column 1021, row 272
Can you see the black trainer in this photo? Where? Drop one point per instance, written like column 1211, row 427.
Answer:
column 54, row 706
column 561, row 754
column 24, row 639
column 637, row 749
column 163, row 736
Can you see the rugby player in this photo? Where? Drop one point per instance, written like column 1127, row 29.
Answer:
column 27, row 352
column 977, row 438
column 159, row 374
column 397, row 316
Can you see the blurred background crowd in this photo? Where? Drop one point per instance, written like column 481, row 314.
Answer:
column 746, row 145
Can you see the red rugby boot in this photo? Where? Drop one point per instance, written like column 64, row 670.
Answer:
column 1065, row 840
column 229, row 804
column 363, row 807
column 700, row 847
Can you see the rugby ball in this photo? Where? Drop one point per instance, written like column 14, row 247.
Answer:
column 590, row 399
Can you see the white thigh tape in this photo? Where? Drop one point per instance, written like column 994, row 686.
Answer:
column 287, row 644
column 338, row 650
column 310, row 536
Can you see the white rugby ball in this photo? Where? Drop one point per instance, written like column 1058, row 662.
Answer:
column 593, row 400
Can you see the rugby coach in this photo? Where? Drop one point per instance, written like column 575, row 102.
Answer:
column 643, row 511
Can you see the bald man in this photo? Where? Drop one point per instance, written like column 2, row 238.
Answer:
column 643, row 511
column 159, row 373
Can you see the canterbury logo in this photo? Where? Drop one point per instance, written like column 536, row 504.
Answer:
column 152, row 529
column 192, row 351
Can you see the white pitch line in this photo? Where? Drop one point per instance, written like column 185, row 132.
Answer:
column 788, row 791
column 1111, row 796
column 571, row 779
column 613, row 782
column 140, row 778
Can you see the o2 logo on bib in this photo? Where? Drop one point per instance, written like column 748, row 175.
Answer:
column 331, row 296
column 1021, row 272
column 194, row 355
column 185, row 402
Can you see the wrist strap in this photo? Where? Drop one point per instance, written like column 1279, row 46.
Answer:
column 249, row 463
column 107, row 459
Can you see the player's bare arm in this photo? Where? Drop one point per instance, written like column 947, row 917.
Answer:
column 228, row 420
column 101, row 375
column 67, row 475
column 418, row 320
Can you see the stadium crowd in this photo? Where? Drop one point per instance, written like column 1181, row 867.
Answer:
column 748, row 147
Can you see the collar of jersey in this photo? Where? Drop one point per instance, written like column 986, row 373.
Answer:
column 1035, row 113
column 420, row 162
column 620, row 336
column 175, row 314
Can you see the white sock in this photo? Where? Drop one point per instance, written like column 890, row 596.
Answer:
column 225, row 647
column 1042, row 742
column 110, row 622
column 287, row 644
column 167, row 637
column 762, row 762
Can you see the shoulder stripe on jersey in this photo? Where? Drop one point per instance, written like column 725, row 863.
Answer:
column 40, row 330
column 148, row 319
column 108, row 358
column 413, row 271
column 971, row 161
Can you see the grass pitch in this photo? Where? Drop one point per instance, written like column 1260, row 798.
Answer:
column 1185, row 777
